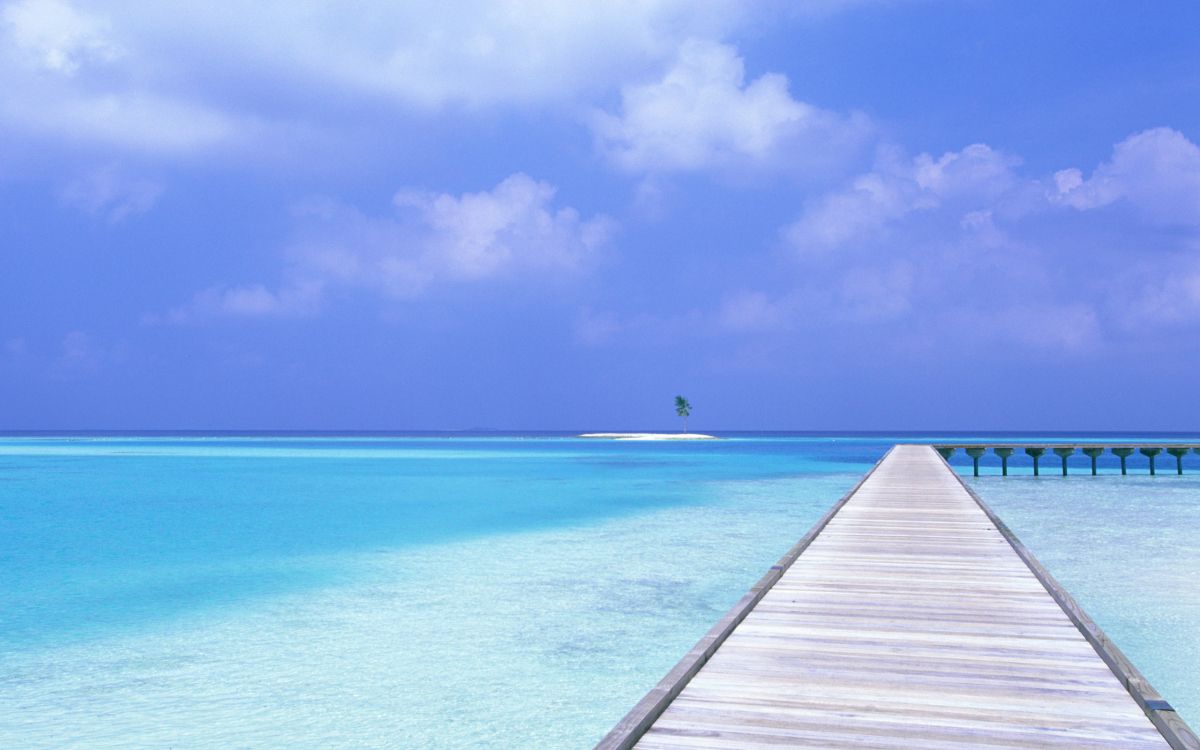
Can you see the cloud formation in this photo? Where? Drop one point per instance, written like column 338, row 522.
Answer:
column 110, row 194
column 513, row 230
column 147, row 77
column 963, row 250
column 970, row 180
column 1157, row 171
column 52, row 35
column 66, row 77
column 153, row 78
column 703, row 114
column 431, row 54
column 984, row 242
column 476, row 235
column 296, row 299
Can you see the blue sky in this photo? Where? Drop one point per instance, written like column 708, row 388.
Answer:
column 534, row 215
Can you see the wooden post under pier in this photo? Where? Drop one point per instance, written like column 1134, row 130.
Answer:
column 1093, row 452
column 1003, row 452
column 1035, row 452
column 1123, row 452
column 1062, row 451
column 1178, row 451
column 975, row 452
column 1150, row 452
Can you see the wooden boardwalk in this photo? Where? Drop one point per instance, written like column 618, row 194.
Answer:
column 910, row 619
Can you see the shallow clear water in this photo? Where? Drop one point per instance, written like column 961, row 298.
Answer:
column 457, row 592
column 1128, row 549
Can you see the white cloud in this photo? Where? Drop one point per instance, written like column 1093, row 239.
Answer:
column 876, row 292
column 123, row 117
column 432, row 54
column 1171, row 300
column 979, row 228
column 513, row 228
column 858, row 294
column 858, row 211
column 136, row 122
column 968, row 180
column 108, row 193
column 965, row 237
column 422, row 53
column 977, row 172
column 1156, row 170
column 703, row 114
column 65, row 78
column 510, row 231
column 963, row 252
column 153, row 77
column 480, row 234
column 1162, row 294
column 54, row 36
column 297, row 300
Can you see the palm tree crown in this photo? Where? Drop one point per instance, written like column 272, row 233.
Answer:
column 683, row 408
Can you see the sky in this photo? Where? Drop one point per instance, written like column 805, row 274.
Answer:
column 525, row 214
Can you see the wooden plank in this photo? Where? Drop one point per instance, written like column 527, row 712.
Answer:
column 1175, row 730
column 633, row 726
column 909, row 616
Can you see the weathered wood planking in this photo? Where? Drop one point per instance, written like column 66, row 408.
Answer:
column 909, row 617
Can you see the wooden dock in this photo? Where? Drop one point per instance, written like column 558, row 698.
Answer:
column 909, row 617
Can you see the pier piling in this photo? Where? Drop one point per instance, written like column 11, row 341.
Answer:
column 1122, row 452
column 1005, row 450
column 1150, row 452
column 1003, row 453
column 1062, row 451
column 1035, row 452
column 1093, row 452
column 975, row 452
column 1178, row 451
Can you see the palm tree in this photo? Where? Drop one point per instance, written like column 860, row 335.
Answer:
column 683, row 409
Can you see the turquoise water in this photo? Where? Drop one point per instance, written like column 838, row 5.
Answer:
column 1128, row 549
column 459, row 592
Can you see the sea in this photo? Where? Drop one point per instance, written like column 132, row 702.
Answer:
column 475, row 590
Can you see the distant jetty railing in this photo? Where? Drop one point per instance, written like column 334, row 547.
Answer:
column 1005, row 451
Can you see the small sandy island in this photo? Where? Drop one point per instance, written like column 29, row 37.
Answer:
column 649, row 436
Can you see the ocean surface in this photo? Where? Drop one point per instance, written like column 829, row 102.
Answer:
column 487, row 591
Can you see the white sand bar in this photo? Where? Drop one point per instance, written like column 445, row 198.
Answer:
column 649, row 435
column 909, row 621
